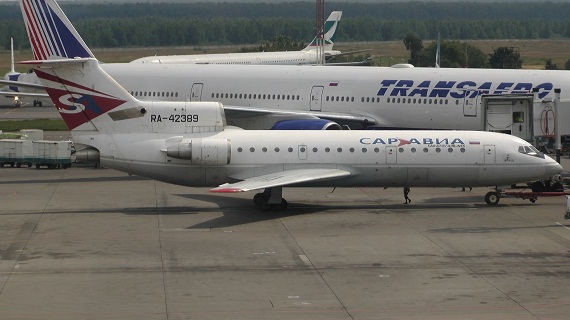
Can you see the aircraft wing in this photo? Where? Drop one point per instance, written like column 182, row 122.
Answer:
column 329, row 55
column 23, row 94
column 365, row 62
column 22, row 84
column 241, row 114
column 283, row 178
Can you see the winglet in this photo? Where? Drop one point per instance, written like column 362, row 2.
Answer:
column 50, row 31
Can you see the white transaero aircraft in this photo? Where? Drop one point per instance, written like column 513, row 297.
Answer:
column 307, row 55
column 519, row 102
column 189, row 143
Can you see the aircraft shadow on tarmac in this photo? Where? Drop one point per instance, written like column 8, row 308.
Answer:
column 239, row 211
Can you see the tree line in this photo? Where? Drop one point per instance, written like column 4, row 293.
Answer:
column 396, row 10
column 455, row 54
column 168, row 24
column 158, row 31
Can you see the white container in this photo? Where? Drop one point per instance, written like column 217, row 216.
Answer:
column 16, row 152
column 52, row 152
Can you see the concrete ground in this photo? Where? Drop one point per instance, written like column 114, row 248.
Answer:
column 86, row 243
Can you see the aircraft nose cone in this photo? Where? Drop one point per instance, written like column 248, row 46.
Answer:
column 552, row 168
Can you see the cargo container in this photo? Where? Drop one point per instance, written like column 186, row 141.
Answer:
column 53, row 154
column 15, row 152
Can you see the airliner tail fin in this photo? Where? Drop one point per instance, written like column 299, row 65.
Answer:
column 330, row 31
column 50, row 32
column 81, row 91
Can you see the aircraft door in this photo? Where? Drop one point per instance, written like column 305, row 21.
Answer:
column 196, row 94
column 470, row 104
column 302, row 152
column 391, row 155
column 490, row 157
column 521, row 119
column 317, row 98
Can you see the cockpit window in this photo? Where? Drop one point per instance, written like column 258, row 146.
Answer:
column 530, row 150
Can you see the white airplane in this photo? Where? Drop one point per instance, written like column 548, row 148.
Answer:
column 188, row 143
column 12, row 93
column 256, row 97
column 307, row 55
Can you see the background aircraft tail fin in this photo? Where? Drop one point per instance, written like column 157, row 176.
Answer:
column 71, row 83
column 330, row 31
column 50, row 32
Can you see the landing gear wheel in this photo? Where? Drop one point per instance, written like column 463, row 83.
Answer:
column 282, row 206
column 258, row 199
column 492, row 198
column 533, row 200
column 264, row 205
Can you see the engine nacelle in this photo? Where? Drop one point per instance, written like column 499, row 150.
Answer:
column 207, row 152
column 306, row 124
column 88, row 154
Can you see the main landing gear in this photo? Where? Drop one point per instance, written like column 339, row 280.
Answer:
column 270, row 199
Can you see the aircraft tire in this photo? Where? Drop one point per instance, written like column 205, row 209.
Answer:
column 258, row 199
column 264, row 205
column 492, row 198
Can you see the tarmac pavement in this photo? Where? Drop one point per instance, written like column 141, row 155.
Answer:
column 86, row 243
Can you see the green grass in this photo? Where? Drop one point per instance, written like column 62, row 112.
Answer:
column 43, row 124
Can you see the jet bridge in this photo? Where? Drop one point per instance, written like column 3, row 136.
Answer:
column 527, row 117
column 510, row 114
